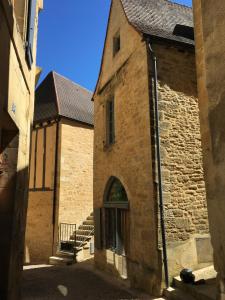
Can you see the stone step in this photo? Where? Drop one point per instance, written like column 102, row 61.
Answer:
column 56, row 260
column 205, row 291
column 176, row 294
column 205, row 273
column 90, row 218
column 82, row 238
column 86, row 227
column 83, row 232
column 88, row 222
column 64, row 254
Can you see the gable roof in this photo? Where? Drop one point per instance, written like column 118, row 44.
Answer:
column 59, row 96
column 158, row 17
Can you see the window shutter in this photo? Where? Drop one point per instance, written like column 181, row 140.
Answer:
column 30, row 31
column 98, row 228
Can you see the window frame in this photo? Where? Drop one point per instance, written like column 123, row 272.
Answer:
column 114, row 213
column 116, row 43
column 110, row 122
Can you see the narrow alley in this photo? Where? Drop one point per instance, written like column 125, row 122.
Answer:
column 75, row 282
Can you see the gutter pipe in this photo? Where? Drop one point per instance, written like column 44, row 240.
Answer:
column 159, row 168
column 55, row 180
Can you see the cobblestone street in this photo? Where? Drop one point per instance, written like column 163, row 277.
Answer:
column 76, row 282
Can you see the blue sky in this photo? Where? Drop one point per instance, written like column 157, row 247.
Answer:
column 71, row 37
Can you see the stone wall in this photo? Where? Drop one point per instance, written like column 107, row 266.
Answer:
column 209, row 32
column 132, row 157
column 16, row 114
column 76, row 172
column 181, row 150
column 125, row 77
column 39, row 231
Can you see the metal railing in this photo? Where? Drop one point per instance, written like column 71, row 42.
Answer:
column 67, row 237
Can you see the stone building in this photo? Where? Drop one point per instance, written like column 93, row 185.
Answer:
column 18, row 74
column 61, row 168
column 209, row 31
column 128, row 219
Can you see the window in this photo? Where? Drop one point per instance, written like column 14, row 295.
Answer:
column 110, row 119
column 116, row 217
column 116, row 44
column 184, row 31
column 30, row 31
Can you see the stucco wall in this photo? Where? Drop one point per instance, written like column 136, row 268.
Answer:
column 209, row 32
column 75, row 202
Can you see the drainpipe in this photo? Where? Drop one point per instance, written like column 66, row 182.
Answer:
column 157, row 132
column 55, row 180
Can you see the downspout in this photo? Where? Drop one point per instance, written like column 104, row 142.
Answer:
column 55, row 181
column 159, row 168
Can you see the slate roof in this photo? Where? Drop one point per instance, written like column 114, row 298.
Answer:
column 158, row 17
column 59, row 96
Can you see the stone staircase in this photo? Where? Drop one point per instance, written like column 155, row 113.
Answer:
column 182, row 291
column 82, row 239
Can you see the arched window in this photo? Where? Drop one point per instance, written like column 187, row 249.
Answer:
column 116, row 206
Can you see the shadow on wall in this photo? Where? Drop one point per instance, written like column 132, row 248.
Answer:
column 134, row 274
column 13, row 204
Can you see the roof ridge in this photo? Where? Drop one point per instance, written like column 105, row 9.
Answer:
column 73, row 82
column 178, row 4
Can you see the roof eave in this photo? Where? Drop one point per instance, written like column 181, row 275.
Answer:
column 170, row 41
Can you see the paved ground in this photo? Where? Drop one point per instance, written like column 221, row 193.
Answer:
column 76, row 282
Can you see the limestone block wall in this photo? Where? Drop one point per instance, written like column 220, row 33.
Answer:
column 181, row 149
column 16, row 114
column 75, row 200
column 39, row 231
column 209, row 17
column 125, row 77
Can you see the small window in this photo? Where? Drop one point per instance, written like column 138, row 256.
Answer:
column 116, row 44
column 110, row 119
column 184, row 31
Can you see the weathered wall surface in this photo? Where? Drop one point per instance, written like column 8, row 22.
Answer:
column 126, row 78
column 184, row 187
column 182, row 166
column 17, row 99
column 39, row 230
column 210, row 44
column 75, row 201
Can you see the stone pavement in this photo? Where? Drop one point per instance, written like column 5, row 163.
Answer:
column 76, row 282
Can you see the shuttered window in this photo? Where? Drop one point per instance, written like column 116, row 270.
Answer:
column 30, row 31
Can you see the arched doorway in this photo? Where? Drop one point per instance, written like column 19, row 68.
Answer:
column 116, row 207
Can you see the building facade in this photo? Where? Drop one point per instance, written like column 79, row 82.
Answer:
column 129, row 239
column 61, row 167
column 209, row 27
column 18, row 34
